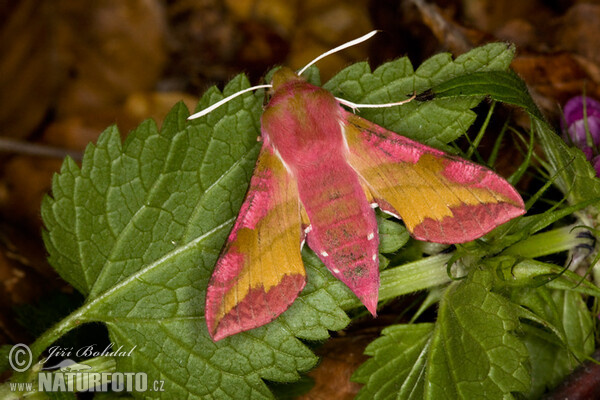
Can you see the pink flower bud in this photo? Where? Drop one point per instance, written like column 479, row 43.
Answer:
column 574, row 124
column 596, row 165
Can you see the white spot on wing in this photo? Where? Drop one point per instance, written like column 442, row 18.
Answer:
column 374, row 205
column 324, row 254
column 374, row 257
column 308, row 229
column 370, row 236
column 335, row 270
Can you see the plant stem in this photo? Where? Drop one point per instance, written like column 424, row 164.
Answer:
column 57, row 331
column 482, row 130
column 545, row 243
column 423, row 274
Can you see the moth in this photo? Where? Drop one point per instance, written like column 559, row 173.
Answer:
column 320, row 172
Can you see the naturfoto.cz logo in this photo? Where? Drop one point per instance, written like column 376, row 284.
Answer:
column 70, row 376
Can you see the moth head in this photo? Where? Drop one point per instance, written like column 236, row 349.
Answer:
column 283, row 76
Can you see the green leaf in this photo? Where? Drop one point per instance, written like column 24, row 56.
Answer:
column 137, row 229
column 392, row 236
column 434, row 123
column 576, row 177
column 551, row 361
column 470, row 352
column 474, row 350
column 398, row 358
column 504, row 86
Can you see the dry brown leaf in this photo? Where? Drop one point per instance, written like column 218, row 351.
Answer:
column 325, row 25
column 25, row 181
column 554, row 78
column 25, row 277
column 490, row 15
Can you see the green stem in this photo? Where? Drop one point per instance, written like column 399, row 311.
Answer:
column 496, row 149
column 98, row 365
column 481, row 131
column 545, row 243
column 516, row 176
column 71, row 321
column 423, row 274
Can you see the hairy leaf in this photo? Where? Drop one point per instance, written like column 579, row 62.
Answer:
column 138, row 227
column 470, row 352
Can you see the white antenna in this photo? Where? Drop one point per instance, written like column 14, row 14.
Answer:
column 341, row 47
column 347, row 103
column 355, row 106
column 225, row 100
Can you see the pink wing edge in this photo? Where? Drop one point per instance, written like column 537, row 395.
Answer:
column 258, row 307
column 479, row 219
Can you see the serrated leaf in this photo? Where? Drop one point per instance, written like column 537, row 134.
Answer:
column 470, row 352
column 474, row 350
column 551, row 361
column 434, row 123
column 138, row 228
column 397, row 356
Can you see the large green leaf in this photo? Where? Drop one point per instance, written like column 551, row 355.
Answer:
column 475, row 340
column 550, row 359
column 137, row 230
column 436, row 122
column 471, row 352
column 478, row 347
column 398, row 360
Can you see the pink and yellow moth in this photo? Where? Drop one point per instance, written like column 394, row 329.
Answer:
column 320, row 172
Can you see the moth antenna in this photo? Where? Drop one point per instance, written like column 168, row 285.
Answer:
column 341, row 47
column 225, row 100
column 355, row 106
